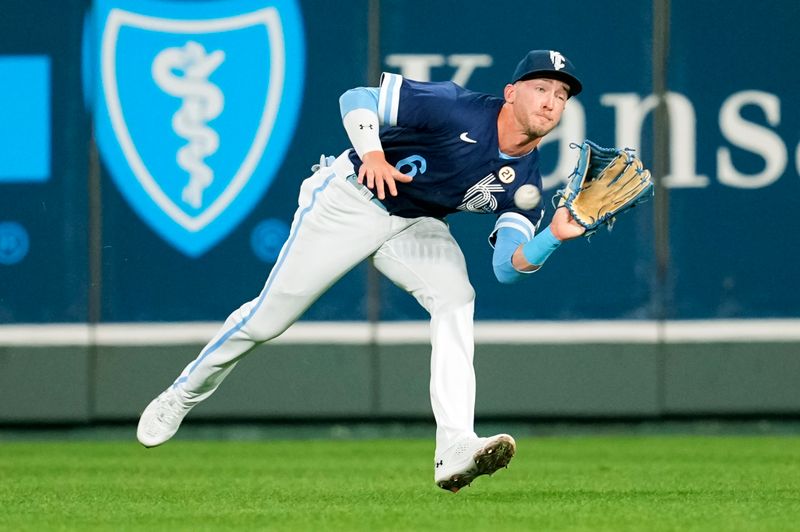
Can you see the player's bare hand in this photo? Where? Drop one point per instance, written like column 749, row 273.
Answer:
column 564, row 226
column 379, row 175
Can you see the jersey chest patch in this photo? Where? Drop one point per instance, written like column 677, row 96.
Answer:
column 480, row 197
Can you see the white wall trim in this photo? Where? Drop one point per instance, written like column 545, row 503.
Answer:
column 415, row 332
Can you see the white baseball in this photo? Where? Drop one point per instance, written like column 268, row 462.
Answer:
column 527, row 197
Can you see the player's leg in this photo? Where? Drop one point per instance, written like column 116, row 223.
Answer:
column 332, row 233
column 426, row 261
column 333, row 230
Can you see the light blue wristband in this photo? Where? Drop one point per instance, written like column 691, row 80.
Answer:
column 537, row 250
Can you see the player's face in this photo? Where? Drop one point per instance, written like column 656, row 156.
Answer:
column 538, row 104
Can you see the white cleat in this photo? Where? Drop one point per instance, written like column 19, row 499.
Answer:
column 161, row 419
column 459, row 465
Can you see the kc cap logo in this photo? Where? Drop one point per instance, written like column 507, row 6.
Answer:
column 548, row 64
column 557, row 59
column 180, row 133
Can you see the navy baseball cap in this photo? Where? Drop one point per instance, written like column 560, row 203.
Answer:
column 548, row 64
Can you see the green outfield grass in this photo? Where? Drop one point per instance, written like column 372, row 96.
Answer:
column 554, row 483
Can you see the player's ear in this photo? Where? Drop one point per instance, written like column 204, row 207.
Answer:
column 509, row 92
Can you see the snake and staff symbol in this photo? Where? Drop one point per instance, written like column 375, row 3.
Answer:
column 183, row 72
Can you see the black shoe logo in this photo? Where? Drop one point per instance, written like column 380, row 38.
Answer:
column 439, row 463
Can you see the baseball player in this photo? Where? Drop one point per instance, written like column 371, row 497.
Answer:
column 420, row 151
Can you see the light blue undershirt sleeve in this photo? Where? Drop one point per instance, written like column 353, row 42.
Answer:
column 359, row 98
column 510, row 230
column 536, row 251
column 508, row 239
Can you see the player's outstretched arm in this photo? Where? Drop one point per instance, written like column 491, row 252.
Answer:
column 359, row 108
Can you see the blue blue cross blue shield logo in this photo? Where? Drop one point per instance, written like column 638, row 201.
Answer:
column 189, row 98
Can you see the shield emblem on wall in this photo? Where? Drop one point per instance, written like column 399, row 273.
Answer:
column 188, row 99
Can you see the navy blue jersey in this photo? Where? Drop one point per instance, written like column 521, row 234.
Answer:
column 445, row 137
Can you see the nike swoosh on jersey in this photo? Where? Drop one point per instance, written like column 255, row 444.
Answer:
column 465, row 138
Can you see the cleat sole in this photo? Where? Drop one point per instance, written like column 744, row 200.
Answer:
column 495, row 456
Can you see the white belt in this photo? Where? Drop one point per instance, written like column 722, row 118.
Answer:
column 343, row 167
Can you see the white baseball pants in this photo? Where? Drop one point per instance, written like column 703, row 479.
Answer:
column 335, row 228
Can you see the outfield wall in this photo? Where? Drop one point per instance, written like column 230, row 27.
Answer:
column 75, row 374
column 90, row 250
